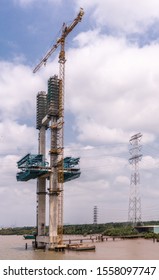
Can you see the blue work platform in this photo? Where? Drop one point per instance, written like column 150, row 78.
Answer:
column 34, row 166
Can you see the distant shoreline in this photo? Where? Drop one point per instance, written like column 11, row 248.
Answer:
column 110, row 229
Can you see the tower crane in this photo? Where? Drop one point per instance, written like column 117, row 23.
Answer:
column 61, row 41
column 57, row 125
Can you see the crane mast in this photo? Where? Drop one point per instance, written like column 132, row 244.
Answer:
column 57, row 126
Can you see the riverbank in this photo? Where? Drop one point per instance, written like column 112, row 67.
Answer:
column 122, row 230
column 83, row 229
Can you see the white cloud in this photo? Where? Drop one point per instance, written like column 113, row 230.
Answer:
column 18, row 87
column 123, row 15
column 148, row 163
column 102, row 181
column 123, row 180
column 16, row 138
column 14, row 200
column 113, row 89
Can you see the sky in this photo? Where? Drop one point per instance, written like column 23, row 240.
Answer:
column 111, row 93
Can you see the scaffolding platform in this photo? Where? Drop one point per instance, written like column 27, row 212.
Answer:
column 34, row 166
column 70, row 172
column 31, row 166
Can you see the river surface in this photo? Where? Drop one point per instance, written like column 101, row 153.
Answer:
column 13, row 248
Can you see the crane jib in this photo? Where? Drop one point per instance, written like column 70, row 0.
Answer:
column 65, row 32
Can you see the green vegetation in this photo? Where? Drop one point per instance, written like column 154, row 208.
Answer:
column 17, row 231
column 108, row 229
column 84, row 229
column 153, row 235
column 150, row 235
column 120, row 231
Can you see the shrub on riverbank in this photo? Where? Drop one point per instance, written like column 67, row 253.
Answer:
column 121, row 231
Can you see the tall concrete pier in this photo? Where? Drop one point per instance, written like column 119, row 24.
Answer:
column 54, row 190
column 41, row 182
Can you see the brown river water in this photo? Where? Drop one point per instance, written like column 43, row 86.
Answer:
column 13, row 248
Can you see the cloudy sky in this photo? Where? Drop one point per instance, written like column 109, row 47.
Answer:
column 111, row 93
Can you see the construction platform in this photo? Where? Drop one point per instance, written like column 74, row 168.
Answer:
column 33, row 166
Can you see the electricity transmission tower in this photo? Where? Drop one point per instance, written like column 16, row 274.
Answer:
column 134, row 212
column 95, row 215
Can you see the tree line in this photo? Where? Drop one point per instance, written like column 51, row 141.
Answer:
column 108, row 229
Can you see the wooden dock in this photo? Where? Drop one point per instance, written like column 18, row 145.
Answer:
column 98, row 238
column 84, row 243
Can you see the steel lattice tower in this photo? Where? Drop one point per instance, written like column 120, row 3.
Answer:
column 134, row 212
column 95, row 215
